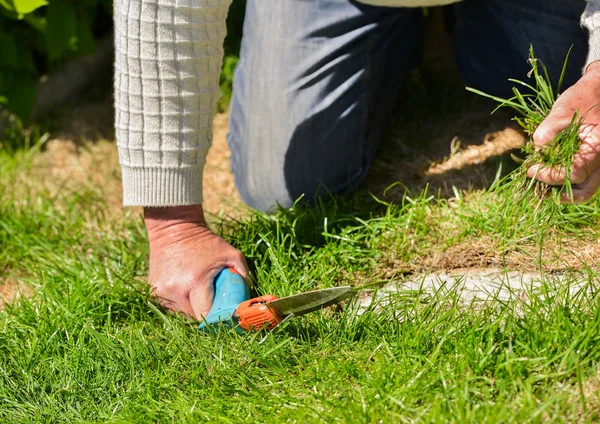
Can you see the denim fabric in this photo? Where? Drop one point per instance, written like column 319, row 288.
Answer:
column 492, row 39
column 317, row 79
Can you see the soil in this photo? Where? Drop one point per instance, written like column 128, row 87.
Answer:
column 11, row 289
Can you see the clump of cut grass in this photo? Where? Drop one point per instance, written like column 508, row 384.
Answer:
column 527, row 203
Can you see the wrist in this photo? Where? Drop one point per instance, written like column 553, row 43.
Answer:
column 159, row 219
column 593, row 67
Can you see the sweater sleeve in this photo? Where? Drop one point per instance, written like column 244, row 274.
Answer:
column 168, row 57
column 591, row 20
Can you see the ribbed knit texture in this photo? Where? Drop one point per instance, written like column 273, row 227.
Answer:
column 591, row 20
column 168, row 57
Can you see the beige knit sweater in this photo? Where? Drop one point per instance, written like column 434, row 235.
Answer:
column 167, row 65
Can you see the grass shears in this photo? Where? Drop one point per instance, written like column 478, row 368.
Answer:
column 233, row 307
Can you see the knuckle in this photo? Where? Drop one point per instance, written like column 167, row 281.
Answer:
column 545, row 135
column 239, row 256
column 540, row 136
column 166, row 288
column 578, row 177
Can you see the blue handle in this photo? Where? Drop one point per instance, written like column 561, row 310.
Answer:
column 230, row 290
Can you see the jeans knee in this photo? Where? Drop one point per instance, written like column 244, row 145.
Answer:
column 260, row 187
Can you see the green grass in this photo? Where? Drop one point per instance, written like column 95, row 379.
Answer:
column 89, row 346
column 519, row 192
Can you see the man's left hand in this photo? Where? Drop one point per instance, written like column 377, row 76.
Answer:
column 584, row 98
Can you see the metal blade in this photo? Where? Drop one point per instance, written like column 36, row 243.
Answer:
column 304, row 303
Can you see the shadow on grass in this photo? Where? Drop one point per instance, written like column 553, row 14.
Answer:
column 441, row 136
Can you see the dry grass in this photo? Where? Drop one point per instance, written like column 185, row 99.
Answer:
column 590, row 392
column 221, row 198
column 96, row 165
column 75, row 158
column 11, row 289
column 495, row 144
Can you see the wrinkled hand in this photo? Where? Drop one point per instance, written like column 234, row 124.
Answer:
column 583, row 97
column 185, row 255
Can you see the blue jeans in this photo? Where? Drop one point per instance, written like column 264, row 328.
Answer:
column 317, row 79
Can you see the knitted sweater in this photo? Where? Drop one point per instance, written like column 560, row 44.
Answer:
column 167, row 63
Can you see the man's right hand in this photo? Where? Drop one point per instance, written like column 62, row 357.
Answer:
column 185, row 256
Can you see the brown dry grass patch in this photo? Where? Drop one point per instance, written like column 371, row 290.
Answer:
column 11, row 289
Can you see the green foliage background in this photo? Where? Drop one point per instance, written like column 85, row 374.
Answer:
column 38, row 36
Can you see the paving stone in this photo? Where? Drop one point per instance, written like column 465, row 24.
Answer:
column 480, row 285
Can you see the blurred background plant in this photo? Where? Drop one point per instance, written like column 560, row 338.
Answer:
column 37, row 37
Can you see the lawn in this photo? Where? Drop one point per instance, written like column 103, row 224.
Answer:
column 83, row 341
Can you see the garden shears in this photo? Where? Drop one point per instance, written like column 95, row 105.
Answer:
column 233, row 307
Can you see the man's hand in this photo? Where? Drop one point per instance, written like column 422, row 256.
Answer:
column 185, row 255
column 583, row 97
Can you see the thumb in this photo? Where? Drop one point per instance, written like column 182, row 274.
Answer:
column 555, row 122
column 202, row 295
column 236, row 260
column 241, row 266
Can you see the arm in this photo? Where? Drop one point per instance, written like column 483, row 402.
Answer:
column 584, row 97
column 168, row 57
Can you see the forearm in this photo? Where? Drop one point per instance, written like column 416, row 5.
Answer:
column 591, row 20
column 167, row 66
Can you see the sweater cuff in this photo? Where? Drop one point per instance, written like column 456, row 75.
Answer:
column 594, row 47
column 162, row 186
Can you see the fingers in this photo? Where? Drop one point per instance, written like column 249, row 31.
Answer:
column 240, row 265
column 585, row 161
column 169, row 299
column 547, row 174
column 584, row 191
column 184, row 259
column 201, row 300
column 555, row 122
column 201, row 295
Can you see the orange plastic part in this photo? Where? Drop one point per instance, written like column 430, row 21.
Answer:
column 255, row 314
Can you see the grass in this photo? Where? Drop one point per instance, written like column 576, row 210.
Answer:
column 528, row 203
column 89, row 346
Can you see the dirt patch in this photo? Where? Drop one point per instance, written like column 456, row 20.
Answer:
column 64, row 163
column 590, row 392
column 462, row 149
column 556, row 255
column 11, row 289
column 472, row 254
column 495, row 144
column 221, row 198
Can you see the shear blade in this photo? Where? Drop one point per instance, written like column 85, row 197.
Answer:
column 304, row 303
